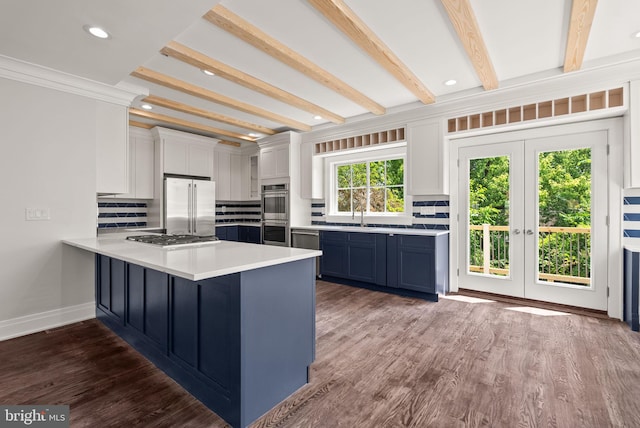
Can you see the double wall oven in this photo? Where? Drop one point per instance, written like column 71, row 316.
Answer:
column 275, row 215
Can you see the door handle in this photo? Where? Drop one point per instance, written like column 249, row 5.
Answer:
column 516, row 231
column 529, row 232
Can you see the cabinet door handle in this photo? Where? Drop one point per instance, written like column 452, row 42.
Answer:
column 516, row 231
column 529, row 232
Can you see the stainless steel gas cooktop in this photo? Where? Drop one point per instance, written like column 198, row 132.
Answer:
column 170, row 241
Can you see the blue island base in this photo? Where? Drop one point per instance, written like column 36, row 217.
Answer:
column 239, row 343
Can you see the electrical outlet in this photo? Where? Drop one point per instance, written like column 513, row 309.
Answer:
column 427, row 210
column 224, row 208
column 37, row 214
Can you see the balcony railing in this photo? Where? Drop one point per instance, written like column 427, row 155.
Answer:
column 564, row 253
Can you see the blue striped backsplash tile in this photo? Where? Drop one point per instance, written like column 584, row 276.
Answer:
column 238, row 212
column 631, row 214
column 121, row 214
column 437, row 221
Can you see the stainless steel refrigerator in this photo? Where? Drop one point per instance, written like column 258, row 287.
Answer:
column 190, row 206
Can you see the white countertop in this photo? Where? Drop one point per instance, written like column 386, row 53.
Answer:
column 193, row 263
column 386, row 230
column 632, row 247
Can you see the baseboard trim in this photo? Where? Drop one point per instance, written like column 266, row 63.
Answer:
column 34, row 323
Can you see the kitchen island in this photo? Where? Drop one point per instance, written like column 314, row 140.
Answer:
column 233, row 323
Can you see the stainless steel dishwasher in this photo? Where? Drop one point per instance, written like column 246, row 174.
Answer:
column 308, row 239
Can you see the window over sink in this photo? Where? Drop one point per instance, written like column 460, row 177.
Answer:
column 368, row 185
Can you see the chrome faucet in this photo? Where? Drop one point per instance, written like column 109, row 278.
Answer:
column 353, row 213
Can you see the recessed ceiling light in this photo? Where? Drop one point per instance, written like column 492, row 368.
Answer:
column 208, row 73
column 96, row 31
column 637, row 35
column 450, row 82
column 317, row 117
column 146, row 106
column 253, row 134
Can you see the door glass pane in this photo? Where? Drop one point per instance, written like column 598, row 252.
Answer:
column 564, row 213
column 489, row 191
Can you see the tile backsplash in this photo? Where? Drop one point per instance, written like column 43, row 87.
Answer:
column 238, row 212
column 631, row 215
column 437, row 218
column 121, row 214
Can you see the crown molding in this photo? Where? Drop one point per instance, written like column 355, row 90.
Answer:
column 160, row 133
column 25, row 72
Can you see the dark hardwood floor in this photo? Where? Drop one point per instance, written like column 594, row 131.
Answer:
column 382, row 361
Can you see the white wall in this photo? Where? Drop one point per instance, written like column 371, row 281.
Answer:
column 48, row 161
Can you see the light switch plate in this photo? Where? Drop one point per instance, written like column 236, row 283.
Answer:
column 427, row 210
column 37, row 214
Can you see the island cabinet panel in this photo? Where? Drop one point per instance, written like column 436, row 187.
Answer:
column 148, row 304
column 111, row 288
column 184, row 338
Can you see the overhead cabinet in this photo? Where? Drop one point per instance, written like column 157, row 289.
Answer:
column 182, row 153
column 427, row 159
column 632, row 144
column 141, row 165
column 236, row 179
column 275, row 162
column 112, row 148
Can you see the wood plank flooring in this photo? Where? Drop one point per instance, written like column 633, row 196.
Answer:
column 382, row 361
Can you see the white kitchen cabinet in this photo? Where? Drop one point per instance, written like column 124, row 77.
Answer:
column 249, row 174
column 229, row 174
column 112, row 148
column 235, row 177
column 183, row 153
column 632, row 142
column 274, row 156
column 141, row 168
column 222, row 175
column 311, row 173
column 280, row 163
column 427, row 159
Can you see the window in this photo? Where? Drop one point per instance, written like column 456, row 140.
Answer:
column 375, row 187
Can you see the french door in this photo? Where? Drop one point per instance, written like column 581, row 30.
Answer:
column 533, row 219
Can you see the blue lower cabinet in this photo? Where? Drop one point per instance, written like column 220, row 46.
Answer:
column 632, row 288
column 334, row 254
column 418, row 263
column 250, row 234
column 227, row 233
column 398, row 263
column 367, row 257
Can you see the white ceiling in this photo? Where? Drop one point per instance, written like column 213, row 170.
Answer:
column 525, row 39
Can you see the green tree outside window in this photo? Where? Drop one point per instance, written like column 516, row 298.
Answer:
column 374, row 187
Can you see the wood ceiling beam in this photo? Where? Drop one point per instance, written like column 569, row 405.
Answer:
column 351, row 25
column 242, row 29
column 185, row 108
column 140, row 124
column 189, row 124
column 204, row 62
column 229, row 143
column 582, row 13
column 197, row 91
column 464, row 21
